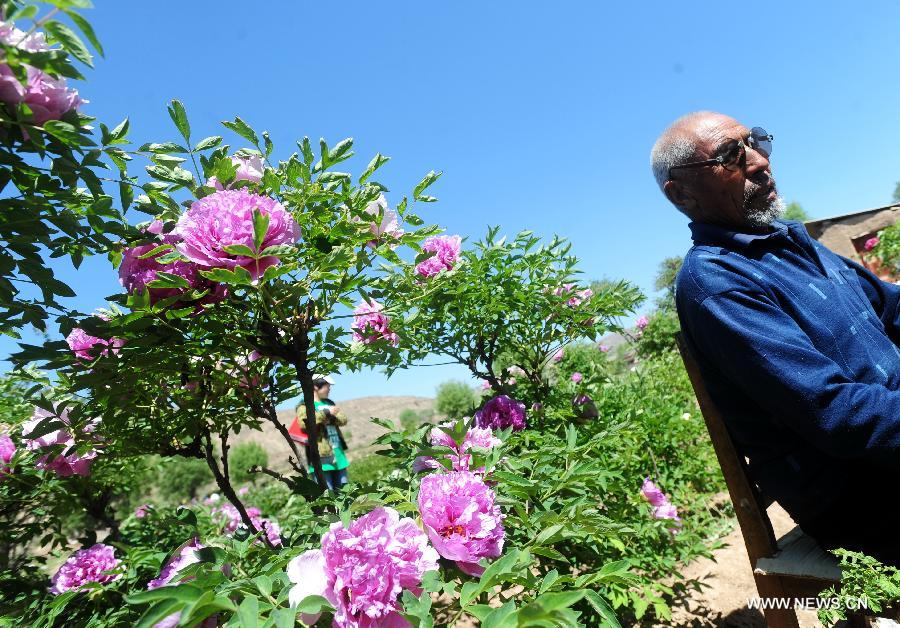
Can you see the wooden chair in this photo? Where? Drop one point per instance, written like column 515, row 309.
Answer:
column 793, row 566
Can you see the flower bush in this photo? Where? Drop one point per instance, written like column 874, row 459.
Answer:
column 282, row 266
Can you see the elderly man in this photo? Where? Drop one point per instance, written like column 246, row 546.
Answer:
column 797, row 345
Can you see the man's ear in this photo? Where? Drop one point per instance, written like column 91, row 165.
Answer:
column 680, row 195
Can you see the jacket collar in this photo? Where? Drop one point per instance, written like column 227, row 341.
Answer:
column 705, row 233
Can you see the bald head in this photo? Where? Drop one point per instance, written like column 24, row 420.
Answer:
column 678, row 143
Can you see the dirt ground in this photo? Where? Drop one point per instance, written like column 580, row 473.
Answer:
column 727, row 583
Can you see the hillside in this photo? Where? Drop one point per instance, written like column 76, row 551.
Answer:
column 360, row 432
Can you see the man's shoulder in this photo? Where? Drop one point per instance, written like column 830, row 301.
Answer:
column 709, row 270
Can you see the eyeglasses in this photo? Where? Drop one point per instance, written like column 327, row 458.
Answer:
column 733, row 153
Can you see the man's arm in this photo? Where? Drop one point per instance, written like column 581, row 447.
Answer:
column 884, row 297
column 764, row 352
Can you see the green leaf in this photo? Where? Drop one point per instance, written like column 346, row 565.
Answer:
column 278, row 250
column 312, row 604
column 503, row 617
column 183, row 593
column 602, row 608
column 248, row 612
column 168, row 280
column 260, row 227
column 430, row 178
column 239, row 249
column 63, row 131
column 87, row 29
column 69, row 41
column 284, row 617
column 179, row 117
column 377, row 162
column 264, row 584
column 243, row 129
column 208, row 142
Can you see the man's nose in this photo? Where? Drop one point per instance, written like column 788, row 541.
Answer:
column 756, row 161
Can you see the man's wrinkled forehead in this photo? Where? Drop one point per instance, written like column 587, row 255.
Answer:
column 711, row 131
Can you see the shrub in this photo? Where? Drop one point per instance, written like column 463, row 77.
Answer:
column 179, row 479
column 409, row 419
column 245, row 456
column 371, row 468
column 455, row 399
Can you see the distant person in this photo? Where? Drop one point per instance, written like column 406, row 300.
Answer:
column 331, row 443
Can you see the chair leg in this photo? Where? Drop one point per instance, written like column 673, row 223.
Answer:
column 781, row 618
column 857, row 620
column 771, row 587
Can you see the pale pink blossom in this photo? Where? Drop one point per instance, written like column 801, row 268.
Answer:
column 185, row 555
column 871, row 243
column 248, row 169
column 82, row 343
column 12, row 36
column 642, row 322
column 85, row 566
column 461, row 518
column 362, row 570
column 386, row 222
column 446, row 253
column 141, row 511
column 67, row 461
column 371, row 324
column 603, row 348
column 460, row 458
column 485, row 385
column 577, row 377
column 578, row 296
column 559, row 355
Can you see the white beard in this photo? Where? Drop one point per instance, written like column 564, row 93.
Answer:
column 766, row 215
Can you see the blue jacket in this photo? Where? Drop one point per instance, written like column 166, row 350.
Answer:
column 798, row 347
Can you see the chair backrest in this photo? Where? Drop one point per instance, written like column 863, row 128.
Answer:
column 749, row 506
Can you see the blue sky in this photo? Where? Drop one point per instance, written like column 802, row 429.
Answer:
column 540, row 115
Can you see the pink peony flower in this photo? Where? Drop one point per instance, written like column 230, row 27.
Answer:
column 871, row 243
column 136, row 273
column 12, row 92
column 371, row 324
column 233, row 521
column 501, row 412
column 84, row 566
column 476, row 437
column 141, row 511
column 49, row 98
column 580, row 400
column 577, row 377
column 82, row 343
column 662, row 509
column 461, row 518
column 579, row 296
column 603, row 348
column 67, row 462
column 641, row 322
column 181, row 558
column 248, row 169
column 559, row 355
column 12, row 36
column 225, row 218
column 388, row 225
column 7, row 451
column 363, row 569
column 652, row 493
column 446, row 253
column 485, row 385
